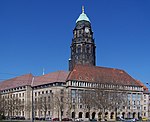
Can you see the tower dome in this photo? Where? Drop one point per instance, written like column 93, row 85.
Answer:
column 83, row 16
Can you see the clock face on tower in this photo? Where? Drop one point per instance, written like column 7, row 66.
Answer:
column 86, row 30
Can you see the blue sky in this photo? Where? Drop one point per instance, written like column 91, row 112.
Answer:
column 36, row 34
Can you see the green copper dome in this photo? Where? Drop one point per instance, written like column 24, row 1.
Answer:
column 83, row 16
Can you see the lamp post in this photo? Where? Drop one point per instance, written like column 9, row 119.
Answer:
column 147, row 83
column 149, row 99
column 32, row 106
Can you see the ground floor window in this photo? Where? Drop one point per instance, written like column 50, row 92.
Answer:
column 80, row 114
column 87, row 115
column 73, row 114
column 93, row 115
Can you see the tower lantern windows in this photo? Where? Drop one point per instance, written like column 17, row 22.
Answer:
column 88, row 49
column 79, row 48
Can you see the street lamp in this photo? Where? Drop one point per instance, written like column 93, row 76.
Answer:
column 32, row 105
column 148, row 84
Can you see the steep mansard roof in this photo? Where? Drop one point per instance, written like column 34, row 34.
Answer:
column 80, row 73
column 59, row 76
column 29, row 79
column 23, row 80
column 101, row 75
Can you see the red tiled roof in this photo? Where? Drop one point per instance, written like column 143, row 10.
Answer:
column 141, row 84
column 16, row 82
column 79, row 73
column 59, row 76
column 101, row 75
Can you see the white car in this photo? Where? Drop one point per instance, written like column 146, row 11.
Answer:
column 48, row 118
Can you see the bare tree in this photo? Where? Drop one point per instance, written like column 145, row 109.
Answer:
column 43, row 103
column 12, row 105
column 62, row 103
column 87, row 100
column 58, row 102
column 110, row 99
column 118, row 100
column 2, row 106
column 27, row 108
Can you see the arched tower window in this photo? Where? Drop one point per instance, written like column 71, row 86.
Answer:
column 88, row 49
column 79, row 48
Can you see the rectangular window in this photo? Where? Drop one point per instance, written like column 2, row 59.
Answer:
column 49, row 113
column 62, row 91
column 73, row 106
column 61, row 99
column 139, row 97
column 73, row 100
column 133, row 96
column 48, row 98
column 73, row 93
column 129, row 96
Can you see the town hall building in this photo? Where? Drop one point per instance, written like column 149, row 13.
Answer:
column 84, row 92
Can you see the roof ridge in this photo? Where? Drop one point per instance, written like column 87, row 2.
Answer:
column 16, row 77
column 100, row 67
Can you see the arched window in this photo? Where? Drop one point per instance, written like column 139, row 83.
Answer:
column 80, row 114
column 100, row 116
column 139, row 115
column 134, row 115
column 112, row 115
column 88, row 49
column 129, row 115
column 93, row 115
column 73, row 114
column 79, row 48
column 123, row 114
column 87, row 115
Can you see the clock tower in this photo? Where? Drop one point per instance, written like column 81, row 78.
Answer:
column 83, row 45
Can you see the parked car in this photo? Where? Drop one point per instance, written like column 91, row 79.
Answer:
column 55, row 119
column 48, row 118
column 93, row 120
column 130, row 120
column 36, row 118
column 144, row 119
column 78, row 119
column 66, row 119
column 120, row 119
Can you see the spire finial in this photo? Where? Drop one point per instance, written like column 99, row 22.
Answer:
column 43, row 71
column 82, row 9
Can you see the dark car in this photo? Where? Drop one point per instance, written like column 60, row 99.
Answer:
column 55, row 119
column 66, row 119
column 93, row 120
column 36, row 118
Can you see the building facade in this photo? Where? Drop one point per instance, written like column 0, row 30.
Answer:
column 86, row 91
